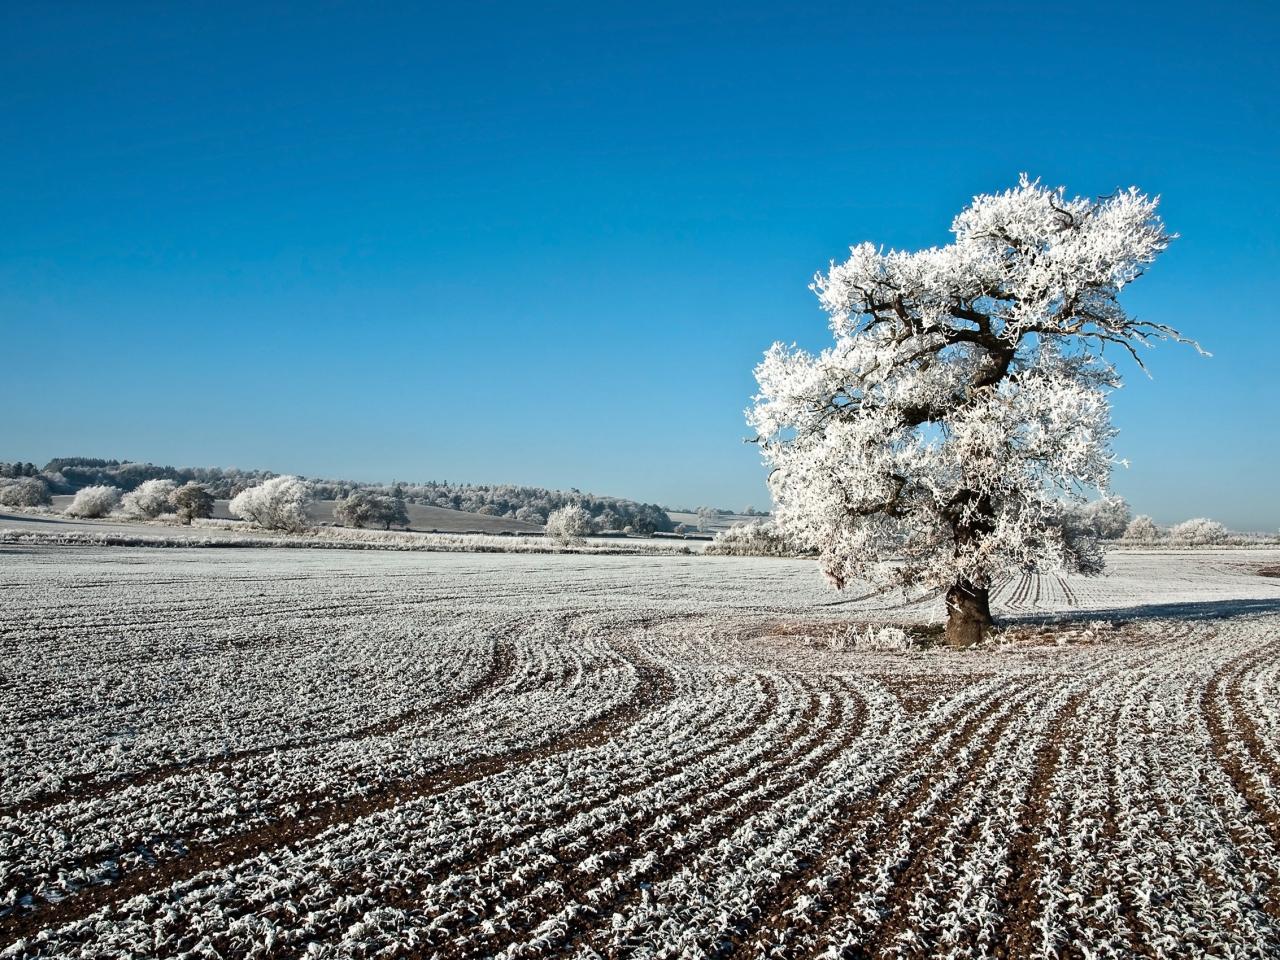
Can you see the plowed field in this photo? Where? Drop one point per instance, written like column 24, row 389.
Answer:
column 253, row 753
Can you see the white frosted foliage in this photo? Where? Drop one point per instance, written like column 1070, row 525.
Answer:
column 96, row 501
column 148, row 500
column 963, row 405
column 276, row 504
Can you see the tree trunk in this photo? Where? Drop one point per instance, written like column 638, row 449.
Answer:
column 968, row 614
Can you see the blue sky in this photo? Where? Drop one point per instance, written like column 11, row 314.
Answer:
column 547, row 243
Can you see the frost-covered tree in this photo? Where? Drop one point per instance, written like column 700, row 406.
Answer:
column 394, row 512
column 361, row 508
column 148, row 500
column 568, row 523
column 1142, row 528
column 95, row 501
column 1198, row 531
column 276, row 504
column 191, row 501
column 964, row 401
column 355, row 510
column 24, row 491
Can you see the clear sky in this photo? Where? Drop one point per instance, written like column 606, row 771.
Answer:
column 547, row 243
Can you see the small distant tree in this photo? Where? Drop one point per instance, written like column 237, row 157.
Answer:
column 683, row 528
column 24, row 491
column 92, row 502
column 568, row 524
column 1198, row 532
column 356, row 509
column 707, row 518
column 276, row 504
column 148, row 500
column 192, row 501
column 531, row 515
column 1142, row 529
column 397, row 514
column 392, row 512
column 363, row 508
column 964, row 398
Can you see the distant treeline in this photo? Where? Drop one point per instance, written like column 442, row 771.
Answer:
column 531, row 504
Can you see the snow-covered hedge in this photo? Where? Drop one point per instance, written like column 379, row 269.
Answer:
column 755, row 539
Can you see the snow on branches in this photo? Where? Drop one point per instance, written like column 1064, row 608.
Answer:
column 964, row 402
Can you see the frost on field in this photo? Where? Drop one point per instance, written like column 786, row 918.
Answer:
column 964, row 402
column 269, row 753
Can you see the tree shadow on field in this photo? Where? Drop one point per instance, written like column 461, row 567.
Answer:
column 28, row 518
column 1192, row 610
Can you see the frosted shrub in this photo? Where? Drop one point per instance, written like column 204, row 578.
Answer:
column 97, row 501
column 1142, row 529
column 1201, row 530
column 149, row 500
column 568, row 523
column 277, row 504
column 755, row 539
column 24, row 492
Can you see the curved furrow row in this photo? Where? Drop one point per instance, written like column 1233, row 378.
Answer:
column 335, row 870
column 221, row 810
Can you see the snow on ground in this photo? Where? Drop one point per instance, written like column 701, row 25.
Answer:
column 253, row 753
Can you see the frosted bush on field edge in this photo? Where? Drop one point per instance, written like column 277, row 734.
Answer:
column 148, row 500
column 276, row 504
column 92, row 502
column 568, row 524
column 1142, row 529
column 1198, row 531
